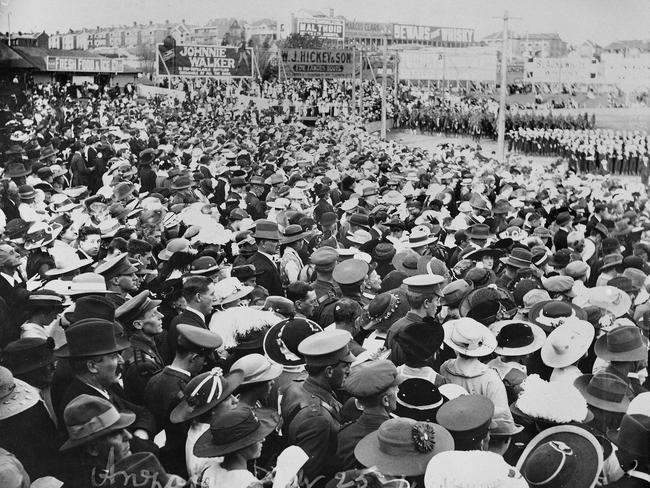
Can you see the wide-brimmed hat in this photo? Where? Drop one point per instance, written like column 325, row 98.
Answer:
column 41, row 234
column 518, row 258
column 420, row 236
column 175, row 246
column 403, row 447
column 478, row 254
column 91, row 337
column 204, row 392
column 478, row 232
column 604, row 390
column 488, row 304
column 28, row 354
column 257, row 368
column 611, row 260
column 469, row 337
column 567, row 343
column 565, row 455
column 607, row 298
column 266, row 229
column 16, row 170
column 553, row 313
column 235, row 430
column 281, row 341
column 502, row 424
column 418, row 399
column 632, row 436
column 230, row 289
column 471, row 469
column 89, row 417
column 383, row 311
column 16, row 396
column 406, row 262
column 293, row 233
column 48, row 151
column 624, row 343
column 517, row 337
column 359, row 237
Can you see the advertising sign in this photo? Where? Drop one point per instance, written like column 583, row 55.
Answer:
column 317, row 63
column 325, row 28
column 560, row 70
column 205, row 61
column 368, row 29
column 85, row 65
column 433, row 34
column 477, row 64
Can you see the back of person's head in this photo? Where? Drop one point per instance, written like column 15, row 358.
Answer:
column 195, row 285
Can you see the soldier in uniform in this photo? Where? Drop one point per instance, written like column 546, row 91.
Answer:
column 374, row 385
column 142, row 322
column 349, row 276
column 324, row 260
column 310, row 410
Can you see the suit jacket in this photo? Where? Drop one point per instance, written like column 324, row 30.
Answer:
column 560, row 239
column 322, row 206
column 187, row 317
column 15, row 298
column 143, row 417
column 161, row 395
column 141, row 362
column 350, row 435
column 270, row 277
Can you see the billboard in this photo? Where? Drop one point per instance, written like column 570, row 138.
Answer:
column 323, row 27
column 368, row 29
column 205, row 61
column 85, row 65
column 419, row 33
column 561, row 70
column 317, row 63
column 477, row 64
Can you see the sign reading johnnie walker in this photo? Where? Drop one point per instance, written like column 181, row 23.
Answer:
column 205, row 61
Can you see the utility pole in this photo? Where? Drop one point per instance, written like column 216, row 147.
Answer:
column 383, row 89
column 361, row 83
column 502, row 98
column 354, row 81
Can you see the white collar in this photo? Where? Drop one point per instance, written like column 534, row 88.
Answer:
column 10, row 279
column 180, row 370
column 104, row 393
column 268, row 256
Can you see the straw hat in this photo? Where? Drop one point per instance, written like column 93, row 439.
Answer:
column 257, row 368
column 608, row 298
column 16, row 396
column 517, row 337
column 567, row 343
column 488, row 470
column 469, row 337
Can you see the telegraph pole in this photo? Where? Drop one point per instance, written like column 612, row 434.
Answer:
column 354, row 81
column 361, row 83
column 383, row 89
column 502, row 97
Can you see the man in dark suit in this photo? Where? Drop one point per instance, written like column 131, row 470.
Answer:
column 146, row 174
column 322, row 205
column 164, row 390
column 93, row 348
column 12, row 291
column 564, row 220
column 199, row 294
column 267, row 238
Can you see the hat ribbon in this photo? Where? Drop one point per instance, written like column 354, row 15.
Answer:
column 95, row 424
column 565, row 451
column 215, row 377
column 288, row 355
column 419, row 407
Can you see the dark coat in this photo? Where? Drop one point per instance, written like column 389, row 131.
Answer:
column 141, row 362
column 187, row 317
column 311, row 420
column 143, row 420
column 147, row 179
column 15, row 298
column 82, row 173
column 33, row 438
column 162, row 394
column 270, row 277
column 351, row 434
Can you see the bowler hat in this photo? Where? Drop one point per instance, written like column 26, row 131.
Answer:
column 91, row 337
column 91, row 306
column 88, row 417
column 478, row 232
column 563, row 218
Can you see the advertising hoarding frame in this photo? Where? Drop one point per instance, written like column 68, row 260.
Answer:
column 232, row 53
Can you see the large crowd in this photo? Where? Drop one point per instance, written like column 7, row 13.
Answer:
column 206, row 293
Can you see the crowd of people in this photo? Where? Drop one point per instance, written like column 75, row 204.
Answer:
column 203, row 294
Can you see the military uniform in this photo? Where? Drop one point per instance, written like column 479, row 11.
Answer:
column 141, row 362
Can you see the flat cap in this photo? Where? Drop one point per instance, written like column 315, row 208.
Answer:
column 350, row 271
column 426, row 284
column 191, row 336
column 371, row 378
column 326, row 348
column 558, row 284
column 467, row 417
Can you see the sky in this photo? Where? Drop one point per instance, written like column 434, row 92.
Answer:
column 602, row 21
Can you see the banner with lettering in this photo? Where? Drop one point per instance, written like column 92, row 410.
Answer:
column 316, row 63
column 205, row 61
column 85, row 65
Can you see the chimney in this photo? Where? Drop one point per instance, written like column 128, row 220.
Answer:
column 331, row 13
column 135, row 24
